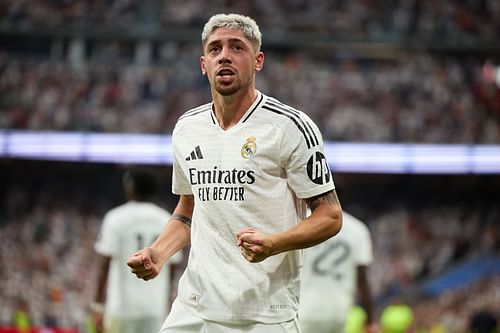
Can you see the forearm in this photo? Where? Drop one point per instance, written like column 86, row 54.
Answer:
column 102, row 279
column 367, row 304
column 365, row 294
column 174, row 237
column 323, row 223
column 177, row 233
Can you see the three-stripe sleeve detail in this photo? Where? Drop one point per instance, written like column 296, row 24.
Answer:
column 197, row 110
column 304, row 127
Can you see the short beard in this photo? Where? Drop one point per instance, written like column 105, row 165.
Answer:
column 226, row 91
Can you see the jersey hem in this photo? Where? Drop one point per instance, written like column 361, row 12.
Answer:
column 249, row 318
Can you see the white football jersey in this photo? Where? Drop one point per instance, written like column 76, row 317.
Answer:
column 251, row 175
column 125, row 230
column 328, row 288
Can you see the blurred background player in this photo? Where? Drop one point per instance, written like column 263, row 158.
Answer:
column 123, row 303
column 334, row 274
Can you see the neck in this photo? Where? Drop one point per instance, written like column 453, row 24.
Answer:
column 230, row 109
column 137, row 199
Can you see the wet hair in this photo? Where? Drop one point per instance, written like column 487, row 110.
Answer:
column 245, row 24
column 143, row 182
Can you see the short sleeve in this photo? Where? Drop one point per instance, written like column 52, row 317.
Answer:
column 180, row 184
column 365, row 246
column 107, row 243
column 303, row 157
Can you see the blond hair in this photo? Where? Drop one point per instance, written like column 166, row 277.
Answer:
column 245, row 24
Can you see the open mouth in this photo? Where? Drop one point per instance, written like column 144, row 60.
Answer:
column 225, row 72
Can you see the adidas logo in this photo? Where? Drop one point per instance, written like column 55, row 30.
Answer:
column 195, row 154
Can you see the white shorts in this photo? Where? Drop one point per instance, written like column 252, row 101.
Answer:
column 180, row 320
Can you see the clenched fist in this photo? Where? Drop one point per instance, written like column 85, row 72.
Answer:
column 145, row 264
column 254, row 245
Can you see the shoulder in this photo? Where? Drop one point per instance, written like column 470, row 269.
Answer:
column 296, row 123
column 354, row 223
column 160, row 211
column 281, row 111
column 147, row 208
column 114, row 217
column 193, row 115
column 117, row 211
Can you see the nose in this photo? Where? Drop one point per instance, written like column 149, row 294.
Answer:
column 224, row 56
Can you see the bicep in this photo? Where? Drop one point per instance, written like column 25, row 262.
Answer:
column 328, row 200
column 325, row 210
column 185, row 206
column 183, row 212
column 103, row 262
column 176, row 233
column 361, row 276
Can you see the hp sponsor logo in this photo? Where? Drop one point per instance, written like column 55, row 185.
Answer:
column 317, row 169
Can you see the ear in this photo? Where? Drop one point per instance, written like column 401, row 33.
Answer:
column 202, row 65
column 259, row 61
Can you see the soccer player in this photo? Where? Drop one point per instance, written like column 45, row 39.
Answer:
column 123, row 303
column 241, row 165
column 334, row 274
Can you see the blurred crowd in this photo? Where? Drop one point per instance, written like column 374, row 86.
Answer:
column 47, row 237
column 48, row 267
column 415, row 96
column 56, row 13
column 419, row 98
column 454, row 311
column 363, row 19
column 415, row 243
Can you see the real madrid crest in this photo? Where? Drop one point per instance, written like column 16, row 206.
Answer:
column 249, row 148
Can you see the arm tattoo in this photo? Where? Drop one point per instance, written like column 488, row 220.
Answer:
column 184, row 219
column 329, row 197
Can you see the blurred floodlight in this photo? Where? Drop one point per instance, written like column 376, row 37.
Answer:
column 349, row 157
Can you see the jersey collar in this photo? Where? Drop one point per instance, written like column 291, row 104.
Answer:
column 255, row 105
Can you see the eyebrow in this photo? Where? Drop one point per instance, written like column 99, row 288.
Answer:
column 230, row 40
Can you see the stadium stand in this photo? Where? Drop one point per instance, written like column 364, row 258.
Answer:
column 50, row 220
column 394, row 71
column 420, row 98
